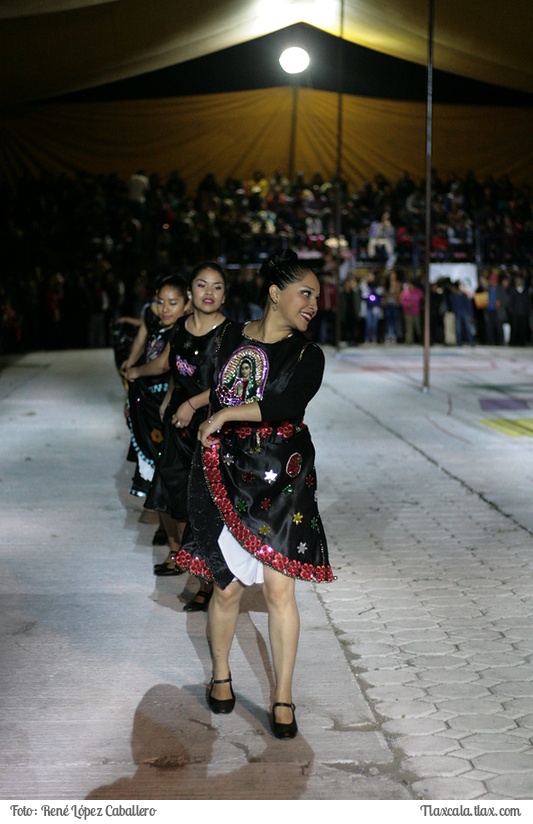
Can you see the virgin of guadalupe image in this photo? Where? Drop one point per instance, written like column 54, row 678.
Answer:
column 243, row 379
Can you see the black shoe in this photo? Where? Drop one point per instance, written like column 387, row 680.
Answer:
column 217, row 705
column 168, row 568
column 284, row 730
column 160, row 537
column 199, row 606
column 165, row 570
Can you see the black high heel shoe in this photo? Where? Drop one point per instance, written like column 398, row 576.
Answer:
column 284, row 731
column 217, row 705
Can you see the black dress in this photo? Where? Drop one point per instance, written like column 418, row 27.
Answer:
column 191, row 362
column 145, row 396
column 259, row 482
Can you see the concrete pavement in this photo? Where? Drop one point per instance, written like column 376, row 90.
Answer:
column 414, row 678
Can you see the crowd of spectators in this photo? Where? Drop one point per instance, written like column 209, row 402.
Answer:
column 77, row 252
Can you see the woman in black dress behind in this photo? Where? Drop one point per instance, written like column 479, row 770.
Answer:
column 190, row 357
column 252, row 491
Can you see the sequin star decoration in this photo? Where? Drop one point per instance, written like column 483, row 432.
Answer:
column 270, row 476
column 314, row 523
column 302, row 548
column 266, row 503
column 264, row 530
column 241, row 505
column 228, row 459
column 247, row 477
column 297, row 518
column 288, row 490
column 309, row 480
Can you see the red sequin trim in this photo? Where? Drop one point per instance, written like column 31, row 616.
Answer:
column 265, row 430
column 244, row 536
column 195, row 566
column 285, row 430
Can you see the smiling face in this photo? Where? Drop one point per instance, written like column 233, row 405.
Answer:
column 297, row 304
column 170, row 305
column 208, row 290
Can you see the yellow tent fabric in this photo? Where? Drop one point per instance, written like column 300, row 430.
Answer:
column 60, row 46
column 234, row 133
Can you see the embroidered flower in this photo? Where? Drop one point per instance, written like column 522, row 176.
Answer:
column 265, row 551
column 241, row 505
column 252, row 543
column 264, row 530
column 307, row 572
column 297, row 518
column 309, row 481
column 247, row 477
column 285, row 430
column 156, row 435
column 302, row 548
column 264, row 430
column 243, row 431
column 266, row 503
column 279, row 562
column 293, row 568
column 183, row 559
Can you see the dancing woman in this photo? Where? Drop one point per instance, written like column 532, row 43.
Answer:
column 189, row 355
column 147, row 393
column 253, row 512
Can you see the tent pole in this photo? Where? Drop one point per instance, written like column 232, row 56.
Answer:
column 338, row 176
column 427, row 256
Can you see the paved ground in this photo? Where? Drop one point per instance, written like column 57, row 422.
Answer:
column 414, row 676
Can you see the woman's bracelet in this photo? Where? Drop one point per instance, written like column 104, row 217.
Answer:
column 192, row 407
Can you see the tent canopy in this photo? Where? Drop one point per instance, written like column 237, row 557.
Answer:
column 62, row 46
column 113, row 85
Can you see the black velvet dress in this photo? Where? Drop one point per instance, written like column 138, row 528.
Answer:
column 259, row 482
column 145, row 396
column 191, row 365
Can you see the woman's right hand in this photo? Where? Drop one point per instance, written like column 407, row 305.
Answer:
column 131, row 374
column 208, row 431
column 182, row 416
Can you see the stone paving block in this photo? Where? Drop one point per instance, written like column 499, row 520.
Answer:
column 482, row 723
column 511, row 786
column 426, row 745
column 449, row 788
column 430, row 765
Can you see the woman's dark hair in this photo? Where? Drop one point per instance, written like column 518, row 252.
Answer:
column 177, row 282
column 280, row 270
column 202, row 267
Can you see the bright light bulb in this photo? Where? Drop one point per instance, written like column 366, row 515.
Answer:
column 294, row 60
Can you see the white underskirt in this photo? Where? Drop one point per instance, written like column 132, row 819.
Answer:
column 146, row 471
column 246, row 569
